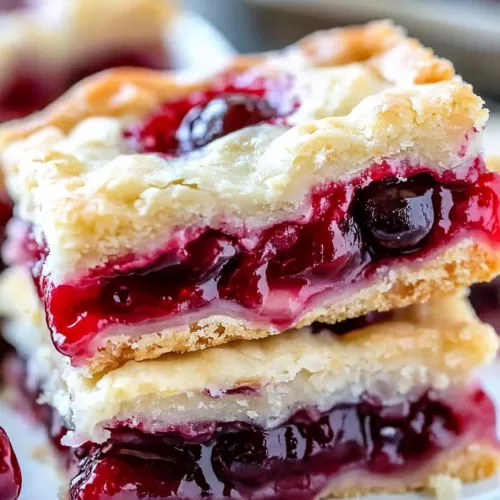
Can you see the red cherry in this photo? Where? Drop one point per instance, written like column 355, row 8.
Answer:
column 10, row 473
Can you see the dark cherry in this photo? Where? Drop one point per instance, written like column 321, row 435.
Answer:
column 348, row 325
column 397, row 214
column 221, row 116
column 293, row 461
column 485, row 298
column 190, row 123
column 10, row 473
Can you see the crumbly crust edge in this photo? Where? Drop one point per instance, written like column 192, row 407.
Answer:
column 473, row 462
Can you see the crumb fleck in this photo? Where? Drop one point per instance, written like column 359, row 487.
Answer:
column 446, row 487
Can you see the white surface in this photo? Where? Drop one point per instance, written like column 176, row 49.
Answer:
column 492, row 135
column 196, row 44
column 40, row 481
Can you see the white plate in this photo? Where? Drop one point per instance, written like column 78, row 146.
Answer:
column 40, row 480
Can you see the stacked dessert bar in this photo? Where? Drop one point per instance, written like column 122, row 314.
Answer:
column 251, row 285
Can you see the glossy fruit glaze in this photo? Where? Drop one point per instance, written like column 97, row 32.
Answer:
column 10, row 472
column 485, row 297
column 33, row 85
column 294, row 461
column 231, row 103
column 344, row 240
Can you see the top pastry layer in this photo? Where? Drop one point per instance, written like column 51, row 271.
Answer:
column 355, row 96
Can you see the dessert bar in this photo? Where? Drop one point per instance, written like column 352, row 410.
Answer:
column 383, row 404
column 162, row 212
column 48, row 46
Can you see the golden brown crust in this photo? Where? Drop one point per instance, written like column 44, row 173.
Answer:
column 397, row 58
column 472, row 462
column 461, row 265
column 381, row 45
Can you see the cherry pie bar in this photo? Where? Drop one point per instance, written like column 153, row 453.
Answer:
column 47, row 46
column 384, row 403
column 10, row 473
column 160, row 212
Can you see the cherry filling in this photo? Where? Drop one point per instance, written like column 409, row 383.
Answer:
column 31, row 87
column 347, row 237
column 10, row 473
column 294, row 461
column 193, row 122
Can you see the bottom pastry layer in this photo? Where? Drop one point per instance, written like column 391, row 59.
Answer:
column 354, row 448
column 349, row 450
